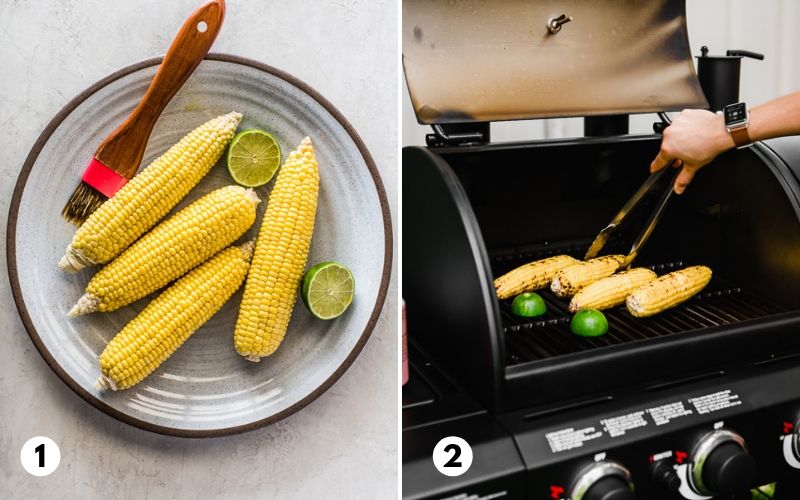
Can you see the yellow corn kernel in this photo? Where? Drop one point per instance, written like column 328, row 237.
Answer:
column 171, row 318
column 149, row 196
column 280, row 257
column 668, row 291
column 174, row 247
column 569, row 280
column 611, row 291
column 532, row 276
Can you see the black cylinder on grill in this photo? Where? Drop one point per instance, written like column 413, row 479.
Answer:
column 719, row 76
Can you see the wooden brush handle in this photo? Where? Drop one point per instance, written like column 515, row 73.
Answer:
column 122, row 151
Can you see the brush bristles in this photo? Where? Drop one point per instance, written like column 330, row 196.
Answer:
column 84, row 200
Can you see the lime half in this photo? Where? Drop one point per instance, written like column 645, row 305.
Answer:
column 529, row 305
column 328, row 290
column 589, row 323
column 253, row 157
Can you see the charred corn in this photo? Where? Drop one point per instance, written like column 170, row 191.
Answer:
column 171, row 318
column 174, row 247
column 611, row 291
column 149, row 196
column 532, row 276
column 280, row 256
column 569, row 280
column 668, row 291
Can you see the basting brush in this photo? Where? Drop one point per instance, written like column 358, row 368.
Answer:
column 119, row 155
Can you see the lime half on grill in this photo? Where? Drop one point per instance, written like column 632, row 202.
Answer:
column 589, row 323
column 328, row 289
column 528, row 305
column 253, row 157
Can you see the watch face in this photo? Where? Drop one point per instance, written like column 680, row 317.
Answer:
column 735, row 114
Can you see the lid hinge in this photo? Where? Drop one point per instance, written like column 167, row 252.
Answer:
column 458, row 134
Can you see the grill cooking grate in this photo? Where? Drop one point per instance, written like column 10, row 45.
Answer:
column 719, row 304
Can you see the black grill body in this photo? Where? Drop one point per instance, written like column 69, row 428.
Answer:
column 471, row 213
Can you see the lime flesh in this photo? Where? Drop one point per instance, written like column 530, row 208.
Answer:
column 327, row 290
column 253, row 157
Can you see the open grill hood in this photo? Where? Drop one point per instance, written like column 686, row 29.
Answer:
column 472, row 60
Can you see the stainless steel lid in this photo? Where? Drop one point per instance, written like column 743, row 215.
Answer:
column 493, row 60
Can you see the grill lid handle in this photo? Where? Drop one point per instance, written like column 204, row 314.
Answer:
column 554, row 25
column 743, row 53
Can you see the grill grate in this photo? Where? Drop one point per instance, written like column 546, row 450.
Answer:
column 719, row 304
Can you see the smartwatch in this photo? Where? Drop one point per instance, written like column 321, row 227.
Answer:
column 736, row 122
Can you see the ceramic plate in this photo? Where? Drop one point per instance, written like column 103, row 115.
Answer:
column 205, row 388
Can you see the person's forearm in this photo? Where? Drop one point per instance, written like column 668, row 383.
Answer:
column 775, row 118
column 697, row 136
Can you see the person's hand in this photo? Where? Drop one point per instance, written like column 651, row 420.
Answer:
column 694, row 138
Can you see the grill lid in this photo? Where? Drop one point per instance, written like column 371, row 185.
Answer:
column 473, row 60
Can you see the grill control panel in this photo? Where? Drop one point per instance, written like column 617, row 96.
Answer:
column 698, row 441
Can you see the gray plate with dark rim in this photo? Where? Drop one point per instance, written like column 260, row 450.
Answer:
column 205, row 388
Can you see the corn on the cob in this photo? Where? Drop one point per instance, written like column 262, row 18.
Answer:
column 668, row 291
column 149, row 196
column 569, row 280
column 174, row 247
column 612, row 291
column 171, row 318
column 280, row 257
column 532, row 276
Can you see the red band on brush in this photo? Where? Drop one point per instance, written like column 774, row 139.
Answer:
column 102, row 178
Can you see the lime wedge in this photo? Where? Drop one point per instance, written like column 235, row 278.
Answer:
column 327, row 290
column 253, row 157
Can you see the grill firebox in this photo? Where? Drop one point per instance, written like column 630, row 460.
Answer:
column 476, row 212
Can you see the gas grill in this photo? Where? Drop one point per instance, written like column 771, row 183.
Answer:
column 700, row 401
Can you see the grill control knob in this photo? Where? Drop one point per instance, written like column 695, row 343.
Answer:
column 664, row 475
column 722, row 465
column 791, row 447
column 603, row 481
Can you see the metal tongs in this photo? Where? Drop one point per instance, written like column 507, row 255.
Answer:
column 646, row 187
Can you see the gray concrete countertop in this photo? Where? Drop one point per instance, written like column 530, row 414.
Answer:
column 344, row 445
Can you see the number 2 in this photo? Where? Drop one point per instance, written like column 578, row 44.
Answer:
column 39, row 450
column 453, row 462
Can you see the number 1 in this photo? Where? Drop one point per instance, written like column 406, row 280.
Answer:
column 39, row 450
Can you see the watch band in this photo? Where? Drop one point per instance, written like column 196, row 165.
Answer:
column 740, row 137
